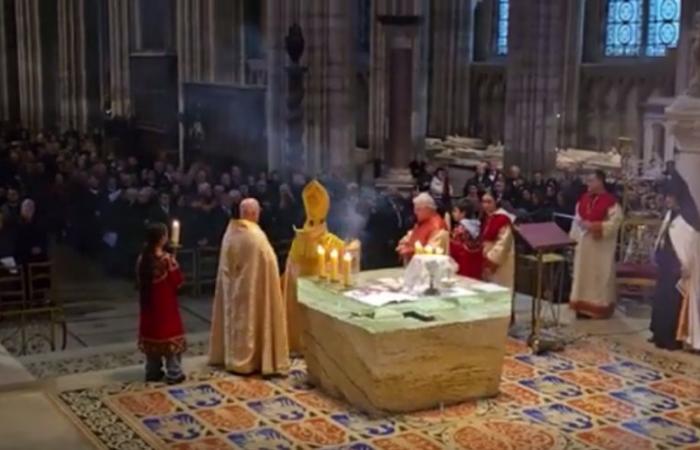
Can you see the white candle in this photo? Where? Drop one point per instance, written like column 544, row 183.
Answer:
column 347, row 268
column 321, row 261
column 418, row 248
column 439, row 251
column 175, row 237
column 334, row 265
column 429, row 249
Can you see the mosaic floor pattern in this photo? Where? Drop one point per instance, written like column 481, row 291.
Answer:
column 593, row 395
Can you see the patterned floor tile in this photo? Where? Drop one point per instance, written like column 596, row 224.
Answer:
column 605, row 406
column 592, row 378
column 245, row 388
column 198, row 396
column 553, row 386
column 614, row 438
column 176, row 427
column 664, row 431
column 679, row 387
column 229, row 418
column 590, row 396
column 279, row 409
column 318, row 432
column 633, row 371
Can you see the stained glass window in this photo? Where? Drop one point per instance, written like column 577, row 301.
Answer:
column 663, row 26
column 502, row 28
column 624, row 28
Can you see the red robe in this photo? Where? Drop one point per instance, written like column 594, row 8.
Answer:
column 594, row 208
column 468, row 253
column 160, row 326
column 422, row 232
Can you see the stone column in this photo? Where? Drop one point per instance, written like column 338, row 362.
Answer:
column 229, row 44
column 379, row 73
column 452, row 28
column 8, row 61
column 400, row 37
column 120, row 30
column 29, row 59
column 545, row 44
column 684, row 63
column 72, row 92
column 329, row 125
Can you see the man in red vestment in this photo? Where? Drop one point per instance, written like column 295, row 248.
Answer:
column 430, row 229
column 465, row 243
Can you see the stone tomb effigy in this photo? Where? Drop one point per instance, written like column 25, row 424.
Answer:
column 405, row 356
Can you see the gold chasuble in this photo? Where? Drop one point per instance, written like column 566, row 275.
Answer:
column 303, row 259
column 249, row 324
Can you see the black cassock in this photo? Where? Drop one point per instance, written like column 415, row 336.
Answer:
column 667, row 299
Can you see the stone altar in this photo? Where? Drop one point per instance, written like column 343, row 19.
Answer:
column 408, row 356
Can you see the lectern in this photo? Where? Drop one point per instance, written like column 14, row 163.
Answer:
column 541, row 238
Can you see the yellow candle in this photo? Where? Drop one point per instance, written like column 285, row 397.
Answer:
column 321, row 261
column 347, row 269
column 175, row 233
column 418, row 248
column 429, row 249
column 334, row 265
column 439, row 251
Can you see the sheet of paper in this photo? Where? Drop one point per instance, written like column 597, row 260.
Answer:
column 484, row 287
column 379, row 298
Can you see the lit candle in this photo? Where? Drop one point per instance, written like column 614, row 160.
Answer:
column 334, row 265
column 175, row 233
column 439, row 251
column 347, row 268
column 429, row 249
column 321, row 261
column 418, row 248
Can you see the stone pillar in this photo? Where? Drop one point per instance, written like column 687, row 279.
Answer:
column 451, row 29
column 8, row 61
column 545, row 44
column 684, row 63
column 72, row 73
column 379, row 73
column 120, row 30
column 400, row 37
column 228, row 47
column 29, row 58
column 329, row 125
column 683, row 118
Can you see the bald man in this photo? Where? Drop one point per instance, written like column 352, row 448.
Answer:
column 249, row 324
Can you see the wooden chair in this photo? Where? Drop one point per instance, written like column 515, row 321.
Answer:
column 42, row 300
column 636, row 274
column 207, row 267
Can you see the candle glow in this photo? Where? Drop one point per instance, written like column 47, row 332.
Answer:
column 321, row 261
column 334, row 265
column 175, row 233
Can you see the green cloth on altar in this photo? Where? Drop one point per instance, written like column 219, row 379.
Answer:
column 426, row 312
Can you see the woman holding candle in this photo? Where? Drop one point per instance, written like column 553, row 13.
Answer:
column 161, row 333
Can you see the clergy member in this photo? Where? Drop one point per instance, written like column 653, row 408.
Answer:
column 249, row 326
column 430, row 229
column 596, row 224
column 675, row 318
column 498, row 243
column 303, row 259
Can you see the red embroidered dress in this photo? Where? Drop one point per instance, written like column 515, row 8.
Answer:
column 160, row 326
column 467, row 252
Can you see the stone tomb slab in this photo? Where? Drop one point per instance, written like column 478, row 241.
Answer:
column 404, row 357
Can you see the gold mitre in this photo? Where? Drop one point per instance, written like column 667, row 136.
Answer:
column 316, row 203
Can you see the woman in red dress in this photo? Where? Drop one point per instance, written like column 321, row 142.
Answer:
column 161, row 334
column 465, row 245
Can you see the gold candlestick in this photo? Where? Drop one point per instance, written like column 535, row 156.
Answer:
column 418, row 248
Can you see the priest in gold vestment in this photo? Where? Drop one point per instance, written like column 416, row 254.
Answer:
column 249, row 324
column 303, row 259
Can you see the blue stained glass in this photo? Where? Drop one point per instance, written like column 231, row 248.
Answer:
column 624, row 28
column 502, row 28
column 663, row 26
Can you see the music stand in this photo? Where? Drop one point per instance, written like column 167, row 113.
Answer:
column 541, row 238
